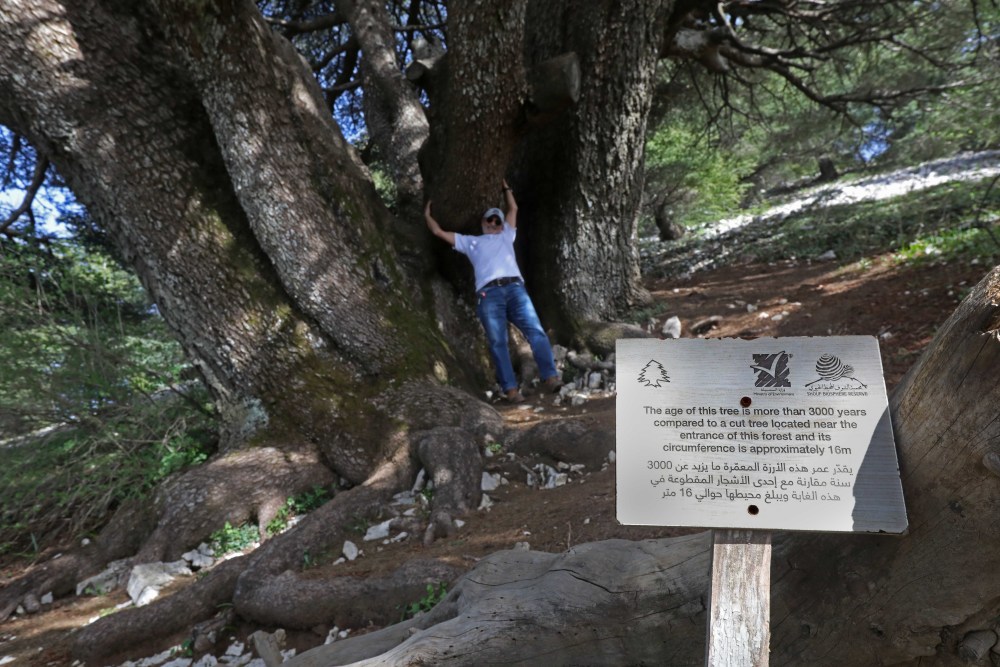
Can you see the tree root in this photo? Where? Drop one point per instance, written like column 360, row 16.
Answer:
column 268, row 586
column 296, row 601
column 600, row 603
column 185, row 511
column 164, row 617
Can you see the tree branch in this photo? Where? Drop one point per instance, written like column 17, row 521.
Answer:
column 37, row 180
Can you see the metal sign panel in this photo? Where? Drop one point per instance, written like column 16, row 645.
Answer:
column 773, row 433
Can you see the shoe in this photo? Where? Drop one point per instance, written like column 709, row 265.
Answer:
column 553, row 384
column 514, row 396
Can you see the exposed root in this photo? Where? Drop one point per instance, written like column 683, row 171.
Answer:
column 268, row 586
column 610, row 599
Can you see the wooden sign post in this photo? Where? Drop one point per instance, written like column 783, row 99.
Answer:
column 748, row 437
column 739, row 624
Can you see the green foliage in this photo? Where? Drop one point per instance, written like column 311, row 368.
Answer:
column 93, row 408
column 946, row 222
column 762, row 128
column 949, row 245
column 67, row 482
column 80, row 335
column 359, row 524
column 693, row 180
column 229, row 539
column 434, row 595
column 384, row 186
column 297, row 505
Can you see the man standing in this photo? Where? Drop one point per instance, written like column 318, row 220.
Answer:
column 500, row 293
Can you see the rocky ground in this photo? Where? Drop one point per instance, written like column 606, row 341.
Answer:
column 900, row 304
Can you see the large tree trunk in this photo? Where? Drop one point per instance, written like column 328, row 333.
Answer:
column 580, row 176
column 476, row 96
column 201, row 143
column 837, row 599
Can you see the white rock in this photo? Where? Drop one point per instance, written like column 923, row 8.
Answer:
column 672, row 328
column 490, row 482
column 7, row 659
column 198, row 559
column 147, row 579
column 578, row 399
column 827, row 256
column 179, row 662
column 236, row 648
column 155, row 659
column 377, row 532
column 404, row 498
column 421, row 480
column 594, row 380
column 612, row 456
column 459, row 523
column 207, row 660
column 522, row 546
column 350, row 550
column 751, row 308
column 47, row 598
column 399, row 538
column 486, row 502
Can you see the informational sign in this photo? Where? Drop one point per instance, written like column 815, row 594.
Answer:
column 773, row 433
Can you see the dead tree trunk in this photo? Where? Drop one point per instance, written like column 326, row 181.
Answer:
column 837, row 599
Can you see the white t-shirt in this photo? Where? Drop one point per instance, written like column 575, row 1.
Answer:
column 492, row 255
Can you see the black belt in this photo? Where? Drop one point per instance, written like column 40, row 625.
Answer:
column 500, row 282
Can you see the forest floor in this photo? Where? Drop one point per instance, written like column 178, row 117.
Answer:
column 902, row 304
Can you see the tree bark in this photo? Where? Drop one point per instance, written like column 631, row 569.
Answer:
column 197, row 138
column 580, row 177
column 474, row 111
column 394, row 117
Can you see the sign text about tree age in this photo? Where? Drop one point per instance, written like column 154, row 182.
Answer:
column 775, row 433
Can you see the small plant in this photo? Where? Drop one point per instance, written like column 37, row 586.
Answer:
column 434, row 595
column 494, row 447
column 229, row 540
column 359, row 524
column 95, row 591
column 186, row 649
column 297, row 505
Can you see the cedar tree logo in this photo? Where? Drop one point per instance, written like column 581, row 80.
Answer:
column 771, row 370
column 653, row 374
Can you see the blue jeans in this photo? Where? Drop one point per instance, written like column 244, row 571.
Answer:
column 510, row 303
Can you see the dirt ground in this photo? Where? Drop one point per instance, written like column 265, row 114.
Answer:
column 903, row 306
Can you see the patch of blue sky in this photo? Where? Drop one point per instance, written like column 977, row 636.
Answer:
column 50, row 207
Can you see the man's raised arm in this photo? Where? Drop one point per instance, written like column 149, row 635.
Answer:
column 511, row 212
column 435, row 228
